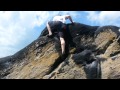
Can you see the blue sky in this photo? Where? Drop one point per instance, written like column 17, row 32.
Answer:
column 19, row 28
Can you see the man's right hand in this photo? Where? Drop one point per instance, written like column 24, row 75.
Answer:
column 73, row 23
column 49, row 36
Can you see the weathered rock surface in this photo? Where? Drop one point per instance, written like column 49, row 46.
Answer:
column 92, row 52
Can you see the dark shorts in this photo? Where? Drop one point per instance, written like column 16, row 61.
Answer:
column 57, row 26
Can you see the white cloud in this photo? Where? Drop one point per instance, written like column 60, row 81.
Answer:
column 17, row 26
column 104, row 17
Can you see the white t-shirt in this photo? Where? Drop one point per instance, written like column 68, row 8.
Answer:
column 60, row 18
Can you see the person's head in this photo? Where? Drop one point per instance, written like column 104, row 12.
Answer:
column 58, row 14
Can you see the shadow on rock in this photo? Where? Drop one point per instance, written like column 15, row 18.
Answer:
column 90, row 62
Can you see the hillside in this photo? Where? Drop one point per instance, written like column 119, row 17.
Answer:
column 92, row 52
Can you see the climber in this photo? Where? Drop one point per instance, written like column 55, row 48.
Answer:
column 58, row 23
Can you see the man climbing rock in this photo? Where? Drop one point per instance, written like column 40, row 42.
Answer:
column 58, row 23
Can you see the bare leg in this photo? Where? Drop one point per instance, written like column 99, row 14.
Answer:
column 49, row 29
column 62, row 44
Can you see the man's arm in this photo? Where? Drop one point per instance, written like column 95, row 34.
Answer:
column 49, row 29
column 69, row 17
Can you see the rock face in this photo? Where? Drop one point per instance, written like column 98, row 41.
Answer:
column 92, row 52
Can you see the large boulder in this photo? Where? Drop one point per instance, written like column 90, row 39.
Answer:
column 92, row 52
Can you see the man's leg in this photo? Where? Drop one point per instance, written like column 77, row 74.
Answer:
column 62, row 41
column 61, row 36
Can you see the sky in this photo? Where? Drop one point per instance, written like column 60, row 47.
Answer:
column 19, row 28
